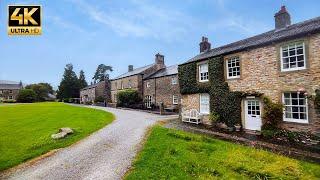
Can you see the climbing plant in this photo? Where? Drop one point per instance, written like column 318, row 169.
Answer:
column 225, row 103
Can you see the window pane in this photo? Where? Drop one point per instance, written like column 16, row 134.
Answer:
column 303, row 116
column 294, row 101
column 301, row 64
column 292, row 52
column 285, row 66
column 300, row 58
column 295, row 109
column 288, row 115
column 295, row 115
column 285, row 60
column 294, row 95
column 299, row 51
column 284, row 53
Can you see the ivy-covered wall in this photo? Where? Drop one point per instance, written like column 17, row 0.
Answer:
column 222, row 101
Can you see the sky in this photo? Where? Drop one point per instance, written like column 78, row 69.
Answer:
column 118, row 33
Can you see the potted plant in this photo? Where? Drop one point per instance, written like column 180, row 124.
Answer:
column 238, row 127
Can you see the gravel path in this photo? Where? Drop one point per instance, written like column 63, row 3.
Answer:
column 106, row 154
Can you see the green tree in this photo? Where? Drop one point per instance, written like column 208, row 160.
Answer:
column 101, row 73
column 41, row 89
column 82, row 80
column 26, row 96
column 69, row 86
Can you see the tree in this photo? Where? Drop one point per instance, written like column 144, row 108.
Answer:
column 42, row 90
column 128, row 98
column 69, row 86
column 101, row 73
column 82, row 80
column 26, row 96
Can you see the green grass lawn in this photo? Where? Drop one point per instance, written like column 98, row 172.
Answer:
column 173, row 154
column 25, row 129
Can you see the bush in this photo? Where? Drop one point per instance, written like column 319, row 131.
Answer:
column 9, row 101
column 26, row 96
column 272, row 114
column 99, row 99
column 317, row 100
column 214, row 117
column 128, row 98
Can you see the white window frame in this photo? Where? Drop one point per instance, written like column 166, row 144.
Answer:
column 227, row 67
column 10, row 97
column 148, row 101
column 148, row 84
column 129, row 83
column 304, row 121
column 174, row 80
column 175, row 99
column 1, row 91
column 207, row 111
column 304, row 55
column 202, row 71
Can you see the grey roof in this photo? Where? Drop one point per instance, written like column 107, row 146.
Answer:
column 92, row 86
column 134, row 72
column 171, row 70
column 293, row 31
column 4, row 84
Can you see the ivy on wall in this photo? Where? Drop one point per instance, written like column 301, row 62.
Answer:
column 222, row 101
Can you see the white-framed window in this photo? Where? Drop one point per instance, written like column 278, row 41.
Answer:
column 121, row 85
column 203, row 72
column 204, row 103
column 175, row 99
column 1, row 91
column 233, row 67
column 174, row 80
column 293, row 57
column 148, row 101
column 129, row 83
column 10, row 97
column 296, row 107
column 148, row 84
column 10, row 91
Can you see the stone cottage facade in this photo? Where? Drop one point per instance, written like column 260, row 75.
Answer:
column 282, row 64
column 133, row 79
column 91, row 92
column 163, row 87
column 9, row 90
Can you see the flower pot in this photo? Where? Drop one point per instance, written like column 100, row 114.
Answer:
column 238, row 128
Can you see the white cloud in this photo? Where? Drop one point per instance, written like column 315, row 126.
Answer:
column 143, row 19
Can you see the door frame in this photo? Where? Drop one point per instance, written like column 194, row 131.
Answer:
column 245, row 111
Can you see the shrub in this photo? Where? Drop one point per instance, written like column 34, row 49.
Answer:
column 9, row 101
column 272, row 114
column 214, row 117
column 99, row 99
column 317, row 100
column 128, row 98
column 26, row 96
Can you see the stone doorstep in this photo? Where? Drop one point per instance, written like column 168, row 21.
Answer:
column 284, row 150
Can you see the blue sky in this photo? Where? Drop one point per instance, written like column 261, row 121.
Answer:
column 118, row 33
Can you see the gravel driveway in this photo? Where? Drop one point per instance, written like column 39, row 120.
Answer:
column 106, row 154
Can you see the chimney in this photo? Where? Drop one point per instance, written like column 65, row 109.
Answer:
column 282, row 18
column 204, row 45
column 130, row 68
column 159, row 59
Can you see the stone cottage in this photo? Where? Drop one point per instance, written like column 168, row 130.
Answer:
column 133, row 79
column 91, row 92
column 9, row 90
column 163, row 87
column 282, row 64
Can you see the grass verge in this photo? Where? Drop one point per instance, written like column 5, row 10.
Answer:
column 26, row 129
column 173, row 154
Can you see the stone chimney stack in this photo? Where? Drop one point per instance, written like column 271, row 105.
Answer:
column 130, row 68
column 204, row 45
column 159, row 59
column 282, row 18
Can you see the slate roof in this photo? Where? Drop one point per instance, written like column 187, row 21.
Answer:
column 293, row 31
column 171, row 70
column 9, row 85
column 134, row 72
column 92, row 85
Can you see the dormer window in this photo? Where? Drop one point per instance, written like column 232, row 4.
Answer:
column 203, row 72
column 293, row 57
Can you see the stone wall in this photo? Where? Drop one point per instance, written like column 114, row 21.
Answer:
column 89, row 94
column 162, row 90
column 124, row 83
column 6, row 93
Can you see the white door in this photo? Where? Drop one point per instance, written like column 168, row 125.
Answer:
column 253, row 114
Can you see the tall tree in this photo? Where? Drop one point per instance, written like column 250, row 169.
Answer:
column 101, row 73
column 42, row 90
column 69, row 86
column 82, row 80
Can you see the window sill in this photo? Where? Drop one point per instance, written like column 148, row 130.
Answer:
column 296, row 121
column 233, row 78
column 293, row 70
column 203, row 81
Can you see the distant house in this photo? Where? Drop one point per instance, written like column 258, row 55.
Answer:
column 162, row 87
column 91, row 92
column 9, row 90
column 282, row 64
column 133, row 79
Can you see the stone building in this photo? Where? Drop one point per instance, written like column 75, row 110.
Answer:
column 9, row 90
column 91, row 92
column 133, row 79
column 163, row 87
column 282, row 64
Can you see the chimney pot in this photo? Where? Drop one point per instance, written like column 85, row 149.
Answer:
column 282, row 18
column 204, row 44
column 130, row 68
